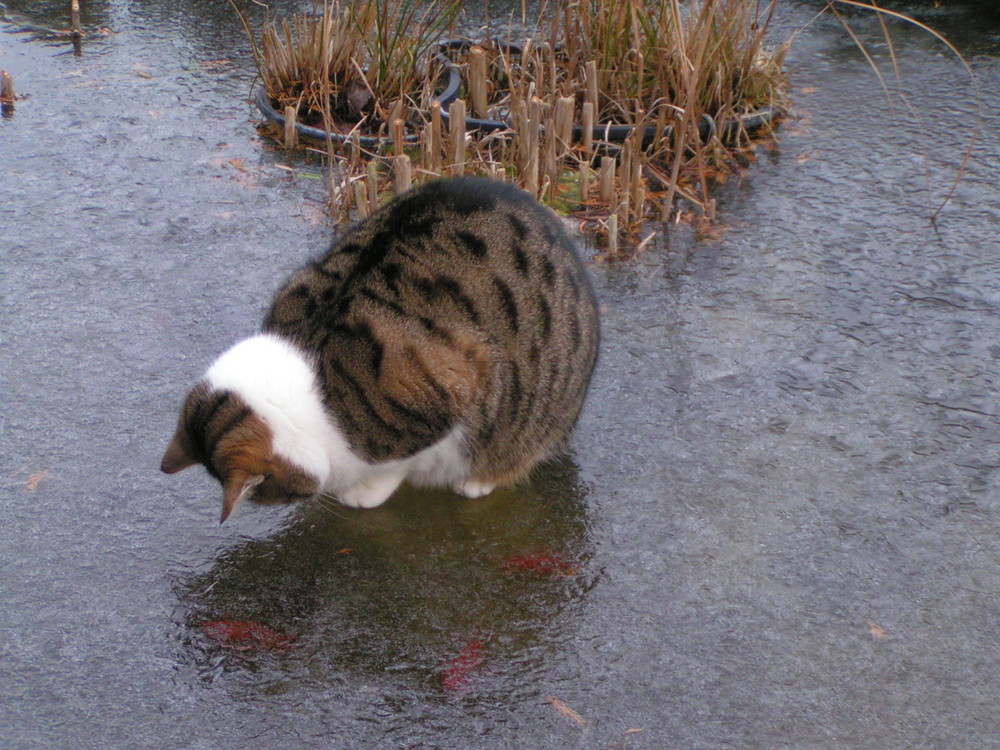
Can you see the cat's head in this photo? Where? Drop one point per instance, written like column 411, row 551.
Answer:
column 233, row 442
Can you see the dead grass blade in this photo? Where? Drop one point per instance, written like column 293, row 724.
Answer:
column 566, row 712
column 977, row 126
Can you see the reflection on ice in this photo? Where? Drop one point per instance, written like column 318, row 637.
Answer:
column 425, row 589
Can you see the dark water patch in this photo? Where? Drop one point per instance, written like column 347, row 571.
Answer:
column 973, row 26
column 45, row 16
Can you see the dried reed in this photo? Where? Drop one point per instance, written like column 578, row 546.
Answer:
column 359, row 62
column 672, row 73
column 660, row 68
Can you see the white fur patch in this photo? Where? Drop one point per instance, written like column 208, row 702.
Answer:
column 278, row 382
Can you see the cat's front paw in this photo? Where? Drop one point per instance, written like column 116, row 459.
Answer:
column 371, row 492
column 474, row 488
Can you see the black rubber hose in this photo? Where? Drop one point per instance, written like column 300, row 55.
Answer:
column 446, row 97
column 617, row 133
column 607, row 133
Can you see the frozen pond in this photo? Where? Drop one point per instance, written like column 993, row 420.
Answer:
column 780, row 527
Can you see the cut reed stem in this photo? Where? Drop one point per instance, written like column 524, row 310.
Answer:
column 403, row 173
column 74, row 19
column 291, row 133
column 477, row 81
column 436, row 144
column 456, row 134
column 6, row 87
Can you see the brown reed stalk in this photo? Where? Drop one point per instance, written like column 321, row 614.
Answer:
column 74, row 19
column 564, row 122
column 477, row 81
column 436, row 145
column 355, row 151
column 532, row 134
column 667, row 64
column 456, row 135
column 7, row 91
column 403, row 174
column 587, row 125
column 606, row 184
column 361, row 198
column 398, row 129
column 291, row 136
column 372, row 186
column 590, row 80
column 549, row 156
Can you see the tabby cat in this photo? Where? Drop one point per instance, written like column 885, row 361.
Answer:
column 447, row 340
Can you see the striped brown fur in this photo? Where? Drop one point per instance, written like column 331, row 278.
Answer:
column 461, row 302
column 454, row 327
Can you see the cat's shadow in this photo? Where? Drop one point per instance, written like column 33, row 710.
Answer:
column 400, row 589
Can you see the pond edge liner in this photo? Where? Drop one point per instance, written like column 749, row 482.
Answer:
column 445, row 98
column 616, row 132
column 605, row 132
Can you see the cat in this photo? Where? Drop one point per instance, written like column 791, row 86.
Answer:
column 446, row 340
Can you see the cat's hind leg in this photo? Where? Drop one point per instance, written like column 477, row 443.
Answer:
column 371, row 492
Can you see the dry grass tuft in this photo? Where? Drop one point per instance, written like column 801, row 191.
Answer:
column 354, row 64
column 677, row 80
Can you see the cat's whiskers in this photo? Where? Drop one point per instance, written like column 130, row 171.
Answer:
column 331, row 504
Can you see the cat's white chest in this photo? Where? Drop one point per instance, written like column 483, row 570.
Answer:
column 367, row 485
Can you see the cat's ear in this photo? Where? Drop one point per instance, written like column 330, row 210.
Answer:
column 235, row 487
column 176, row 458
